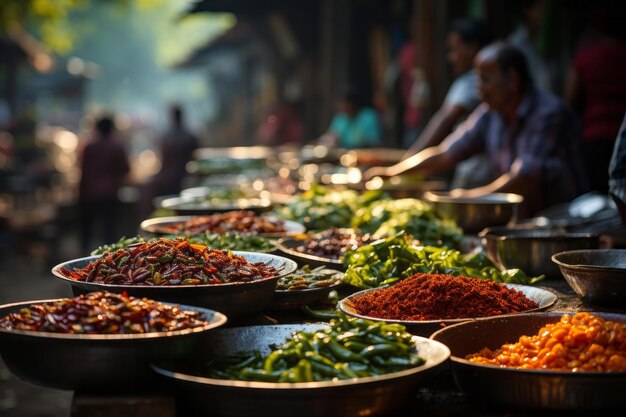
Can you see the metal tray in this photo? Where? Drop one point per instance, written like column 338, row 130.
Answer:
column 289, row 300
column 288, row 245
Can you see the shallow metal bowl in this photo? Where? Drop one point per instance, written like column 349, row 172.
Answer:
column 194, row 205
column 474, row 214
column 115, row 362
column 553, row 390
column 353, row 397
column 597, row 275
column 233, row 299
column 532, row 250
column 543, row 297
column 151, row 227
column 289, row 300
column 288, row 247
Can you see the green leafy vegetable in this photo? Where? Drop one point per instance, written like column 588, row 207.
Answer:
column 390, row 260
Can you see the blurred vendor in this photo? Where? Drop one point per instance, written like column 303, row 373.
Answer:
column 355, row 125
column 531, row 137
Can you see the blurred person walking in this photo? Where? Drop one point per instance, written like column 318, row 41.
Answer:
column 104, row 165
column 177, row 146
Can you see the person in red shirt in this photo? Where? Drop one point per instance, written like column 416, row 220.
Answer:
column 596, row 90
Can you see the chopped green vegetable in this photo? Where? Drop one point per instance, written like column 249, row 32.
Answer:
column 235, row 241
column 344, row 350
column 306, row 278
column 123, row 243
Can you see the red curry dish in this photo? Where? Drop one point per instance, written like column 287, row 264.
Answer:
column 170, row 262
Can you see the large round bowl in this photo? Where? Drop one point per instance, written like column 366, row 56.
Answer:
column 553, row 390
column 116, row 362
column 542, row 297
column 352, row 397
column 151, row 227
column 597, row 275
column 233, row 299
column 473, row 214
column 195, row 206
column 532, row 250
column 288, row 247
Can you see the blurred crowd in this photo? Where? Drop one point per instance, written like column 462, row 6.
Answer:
column 504, row 125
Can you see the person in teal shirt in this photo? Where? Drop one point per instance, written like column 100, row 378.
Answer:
column 355, row 125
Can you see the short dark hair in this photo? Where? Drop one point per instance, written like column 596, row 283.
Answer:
column 509, row 57
column 176, row 112
column 105, row 125
column 471, row 30
column 353, row 93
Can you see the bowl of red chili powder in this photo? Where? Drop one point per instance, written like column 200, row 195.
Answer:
column 426, row 302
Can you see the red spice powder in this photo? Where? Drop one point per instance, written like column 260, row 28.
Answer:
column 439, row 296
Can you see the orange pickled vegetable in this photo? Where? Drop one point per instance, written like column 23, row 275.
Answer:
column 579, row 343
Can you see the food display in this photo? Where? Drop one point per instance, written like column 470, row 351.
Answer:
column 395, row 258
column 349, row 348
column 583, row 342
column 332, row 243
column 102, row 313
column 236, row 221
column 439, row 297
column 415, row 217
column 306, row 278
column 170, row 262
column 235, row 241
column 321, row 208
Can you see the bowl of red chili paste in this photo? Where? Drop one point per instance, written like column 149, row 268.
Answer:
column 426, row 302
column 98, row 341
column 174, row 270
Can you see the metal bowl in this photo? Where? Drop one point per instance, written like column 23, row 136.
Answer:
column 233, row 299
column 543, row 297
column 597, row 275
column 289, row 300
column 474, row 214
column 194, row 206
column 353, row 397
column 532, row 250
column 112, row 362
column 288, row 247
column 151, row 227
column 554, row 390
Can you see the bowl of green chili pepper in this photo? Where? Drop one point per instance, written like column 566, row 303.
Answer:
column 349, row 367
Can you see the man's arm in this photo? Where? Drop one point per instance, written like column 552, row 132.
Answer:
column 429, row 161
column 439, row 126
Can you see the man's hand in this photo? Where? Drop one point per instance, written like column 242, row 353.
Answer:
column 382, row 172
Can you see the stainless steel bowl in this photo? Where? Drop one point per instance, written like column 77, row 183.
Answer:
column 233, row 299
column 597, row 275
column 474, row 214
column 195, row 206
column 353, row 397
column 532, row 250
column 543, row 297
column 288, row 247
column 152, row 227
column 535, row 389
column 289, row 300
column 111, row 363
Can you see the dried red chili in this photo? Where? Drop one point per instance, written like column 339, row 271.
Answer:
column 237, row 221
column 102, row 313
column 170, row 262
column 438, row 296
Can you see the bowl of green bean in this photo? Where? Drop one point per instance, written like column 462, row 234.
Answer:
column 349, row 367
